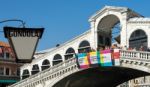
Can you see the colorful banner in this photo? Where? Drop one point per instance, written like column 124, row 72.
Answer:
column 83, row 60
column 102, row 58
column 105, row 58
column 94, row 61
column 116, row 57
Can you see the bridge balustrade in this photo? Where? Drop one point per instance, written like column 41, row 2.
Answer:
column 60, row 69
column 143, row 85
column 139, row 55
column 45, row 74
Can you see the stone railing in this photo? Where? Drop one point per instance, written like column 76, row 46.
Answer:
column 139, row 55
column 70, row 65
column 143, row 85
column 47, row 74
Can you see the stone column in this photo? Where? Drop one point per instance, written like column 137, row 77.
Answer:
column 93, row 35
column 124, row 32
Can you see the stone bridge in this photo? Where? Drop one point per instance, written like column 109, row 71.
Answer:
column 133, row 31
column 133, row 64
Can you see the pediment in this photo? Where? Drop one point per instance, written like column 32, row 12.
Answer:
column 130, row 12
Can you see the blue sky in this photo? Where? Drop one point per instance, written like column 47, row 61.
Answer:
column 62, row 19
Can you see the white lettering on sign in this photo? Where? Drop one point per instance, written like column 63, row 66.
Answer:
column 24, row 33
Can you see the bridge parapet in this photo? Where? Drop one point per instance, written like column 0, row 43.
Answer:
column 136, row 55
column 48, row 74
column 61, row 70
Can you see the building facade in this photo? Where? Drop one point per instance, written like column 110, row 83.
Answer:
column 9, row 69
column 134, row 33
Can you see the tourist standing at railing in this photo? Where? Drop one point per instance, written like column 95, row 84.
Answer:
column 130, row 48
column 107, row 47
column 113, row 46
column 141, row 48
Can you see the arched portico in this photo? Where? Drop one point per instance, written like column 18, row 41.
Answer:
column 105, row 31
column 137, row 39
column 45, row 64
column 105, row 19
column 35, row 69
column 84, row 46
column 57, row 59
column 69, row 53
column 25, row 74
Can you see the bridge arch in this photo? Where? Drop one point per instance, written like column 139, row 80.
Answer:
column 25, row 74
column 45, row 64
column 97, row 77
column 84, row 46
column 136, row 65
column 57, row 59
column 70, row 52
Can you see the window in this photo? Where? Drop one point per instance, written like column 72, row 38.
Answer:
column 1, row 52
column 1, row 70
column 18, row 71
column 7, row 71
column 7, row 55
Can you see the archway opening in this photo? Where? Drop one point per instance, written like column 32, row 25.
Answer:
column 57, row 59
column 45, row 64
column 25, row 74
column 108, row 32
column 69, row 53
column 84, row 47
column 100, row 77
column 138, row 40
column 35, row 69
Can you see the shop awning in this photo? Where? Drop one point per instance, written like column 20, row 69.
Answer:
column 8, row 81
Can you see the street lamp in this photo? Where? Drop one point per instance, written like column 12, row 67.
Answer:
column 23, row 41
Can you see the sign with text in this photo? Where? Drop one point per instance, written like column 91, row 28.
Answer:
column 23, row 41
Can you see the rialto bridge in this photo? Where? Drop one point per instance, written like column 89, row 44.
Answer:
column 57, row 67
